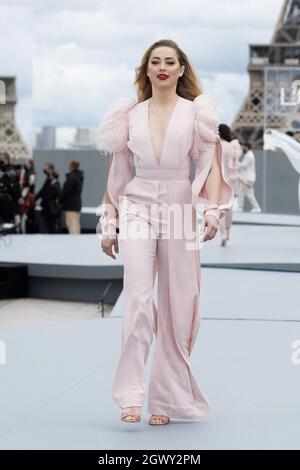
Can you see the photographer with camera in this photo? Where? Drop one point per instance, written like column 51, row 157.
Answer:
column 27, row 182
column 10, row 192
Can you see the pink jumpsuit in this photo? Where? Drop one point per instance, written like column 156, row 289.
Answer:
column 192, row 133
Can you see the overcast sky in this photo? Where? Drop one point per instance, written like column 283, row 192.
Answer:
column 73, row 58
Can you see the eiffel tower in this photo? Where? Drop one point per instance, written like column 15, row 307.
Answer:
column 273, row 68
column 10, row 138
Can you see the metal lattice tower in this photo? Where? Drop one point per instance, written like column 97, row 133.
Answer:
column 10, row 138
column 272, row 67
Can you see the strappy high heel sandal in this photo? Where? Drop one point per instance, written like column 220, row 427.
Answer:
column 158, row 420
column 130, row 416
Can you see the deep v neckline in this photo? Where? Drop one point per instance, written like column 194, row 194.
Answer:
column 166, row 133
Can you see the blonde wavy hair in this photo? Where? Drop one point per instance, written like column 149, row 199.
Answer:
column 188, row 86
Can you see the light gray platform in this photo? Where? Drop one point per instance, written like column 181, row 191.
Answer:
column 266, row 218
column 256, row 246
column 245, row 294
column 73, row 267
column 248, row 244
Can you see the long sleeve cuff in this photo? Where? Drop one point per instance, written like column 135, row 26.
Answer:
column 108, row 226
column 214, row 212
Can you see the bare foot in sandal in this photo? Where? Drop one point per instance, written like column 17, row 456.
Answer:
column 131, row 414
column 159, row 419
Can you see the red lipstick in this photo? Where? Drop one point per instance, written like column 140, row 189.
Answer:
column 162, row 76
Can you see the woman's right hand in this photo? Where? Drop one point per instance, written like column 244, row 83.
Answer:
column 107, row 244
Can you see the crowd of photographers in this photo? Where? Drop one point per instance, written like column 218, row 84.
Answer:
column 18, row 198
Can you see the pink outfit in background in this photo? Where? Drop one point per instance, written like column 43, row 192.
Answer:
column 192, row 134
column 230, row 155
column 230, row 163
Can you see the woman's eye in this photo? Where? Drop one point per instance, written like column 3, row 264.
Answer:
column 168, row 63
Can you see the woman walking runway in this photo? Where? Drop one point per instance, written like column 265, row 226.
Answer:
column 169, row 125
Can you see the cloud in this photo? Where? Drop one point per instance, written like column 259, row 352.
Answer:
column 24, row 119
column 16, row 52
column 85, row 53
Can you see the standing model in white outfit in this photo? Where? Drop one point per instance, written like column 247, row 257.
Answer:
column 247, row 177
column 236, row 184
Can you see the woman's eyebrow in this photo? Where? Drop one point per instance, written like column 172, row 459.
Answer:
column 165, row 57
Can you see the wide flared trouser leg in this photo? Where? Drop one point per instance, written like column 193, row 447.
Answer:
column 139, row 317
column 173, row 389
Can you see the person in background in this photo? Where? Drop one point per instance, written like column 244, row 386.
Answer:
column 16, row 165
column 48, row 167
column 50, row 203
column 247, row 177
column 10, row 192
column 235, row 143
column 231, row 174
column 70, row 198
column 27, row 182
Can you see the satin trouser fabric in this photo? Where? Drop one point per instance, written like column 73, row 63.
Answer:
column 173, row 389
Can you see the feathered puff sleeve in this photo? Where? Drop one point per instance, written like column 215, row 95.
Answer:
column 205, row 148
column 112, row 137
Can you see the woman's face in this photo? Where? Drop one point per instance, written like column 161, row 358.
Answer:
column 163, row 60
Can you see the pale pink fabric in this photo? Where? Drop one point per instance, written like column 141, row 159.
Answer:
column 230, row 155
column 192, row 133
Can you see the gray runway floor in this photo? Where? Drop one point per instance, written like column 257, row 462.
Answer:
column 56, row 388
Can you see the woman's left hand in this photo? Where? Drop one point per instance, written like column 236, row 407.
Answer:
column 210, row 227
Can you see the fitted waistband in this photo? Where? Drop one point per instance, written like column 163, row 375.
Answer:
column 182, row 173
